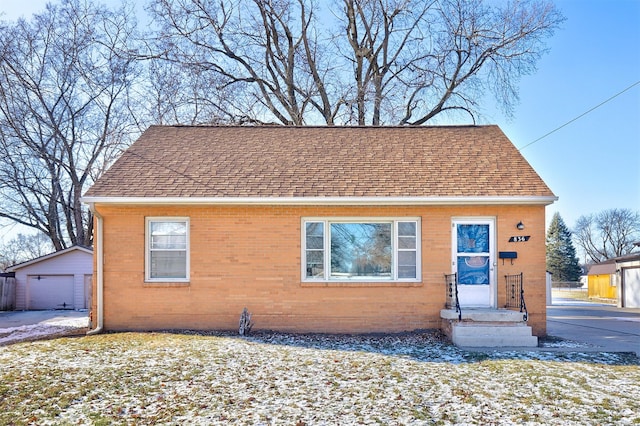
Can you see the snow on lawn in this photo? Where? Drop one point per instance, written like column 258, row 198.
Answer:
column 273, row 379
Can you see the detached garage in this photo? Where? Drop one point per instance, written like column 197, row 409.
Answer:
column 61, row 280
column 602, row 280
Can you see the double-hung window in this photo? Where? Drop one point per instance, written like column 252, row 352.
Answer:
column 361, row 249
column 167, row 249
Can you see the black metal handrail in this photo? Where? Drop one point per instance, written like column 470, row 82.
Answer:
column 451, row 281
column 515, row 294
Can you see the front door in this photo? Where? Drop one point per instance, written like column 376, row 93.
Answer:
column 473, row 261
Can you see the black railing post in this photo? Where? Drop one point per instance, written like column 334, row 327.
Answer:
column 515, row 293
column 523, row 306
column 451, row 281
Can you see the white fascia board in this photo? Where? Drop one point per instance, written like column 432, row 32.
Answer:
column 329, row 201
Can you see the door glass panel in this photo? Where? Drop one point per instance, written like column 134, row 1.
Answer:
column 473, row 270
column 473, row 238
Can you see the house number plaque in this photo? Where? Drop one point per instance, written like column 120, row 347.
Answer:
column 519, row 239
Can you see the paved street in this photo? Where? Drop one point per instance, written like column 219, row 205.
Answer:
column 603, row 326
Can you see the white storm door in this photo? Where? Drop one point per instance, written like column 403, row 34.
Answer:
column 473, row 261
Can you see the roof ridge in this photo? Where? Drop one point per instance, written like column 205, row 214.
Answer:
column 318, row 126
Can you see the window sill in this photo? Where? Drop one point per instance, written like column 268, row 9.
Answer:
column 361, row 284
column 165, row 284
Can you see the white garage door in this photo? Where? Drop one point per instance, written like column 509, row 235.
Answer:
column 631, row 287
column 50, row 292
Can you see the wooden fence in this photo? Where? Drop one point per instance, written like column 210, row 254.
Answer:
column 7, row 292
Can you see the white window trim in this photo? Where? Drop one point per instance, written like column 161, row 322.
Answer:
column 349, row 219
column 147, row 251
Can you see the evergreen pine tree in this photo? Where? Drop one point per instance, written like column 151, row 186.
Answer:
column 561, row 254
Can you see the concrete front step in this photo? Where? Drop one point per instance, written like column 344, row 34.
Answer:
column 496, row 342
column 484, row 315
column 484, row 335
column 473, row 329
column 487, row 328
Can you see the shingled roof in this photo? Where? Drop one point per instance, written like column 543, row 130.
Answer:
column 278, row 162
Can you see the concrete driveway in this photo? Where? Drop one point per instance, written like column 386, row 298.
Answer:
column 600, row 327
column 10, row 319
column 20, row 326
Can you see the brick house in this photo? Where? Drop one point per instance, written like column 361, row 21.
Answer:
column 315, row 229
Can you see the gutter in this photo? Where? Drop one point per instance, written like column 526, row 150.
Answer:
column 333, row 201
column 99, row 273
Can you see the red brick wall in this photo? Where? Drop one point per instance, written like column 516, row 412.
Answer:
column 250, row 257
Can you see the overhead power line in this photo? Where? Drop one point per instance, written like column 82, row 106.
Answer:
column 580, row 116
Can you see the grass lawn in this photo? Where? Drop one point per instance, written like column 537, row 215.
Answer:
column 269, row 379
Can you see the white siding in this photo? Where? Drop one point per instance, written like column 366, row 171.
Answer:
column 631, row 287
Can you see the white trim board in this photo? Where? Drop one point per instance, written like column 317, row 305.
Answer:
column 348, row 201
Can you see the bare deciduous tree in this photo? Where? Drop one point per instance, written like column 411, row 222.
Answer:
column 386, row 40
column 608, row 234
column 63, row 113
column 358, row 62
column 24, row 247
column 261, row 55
column 69, row 82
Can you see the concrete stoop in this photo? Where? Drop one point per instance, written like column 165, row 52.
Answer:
column 487, row 328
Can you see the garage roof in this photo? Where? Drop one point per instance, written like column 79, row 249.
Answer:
column 49, row 256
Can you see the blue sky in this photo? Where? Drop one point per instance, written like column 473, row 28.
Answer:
column 593, row 163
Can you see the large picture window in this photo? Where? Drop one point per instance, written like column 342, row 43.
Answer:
column 346, row 250
column 167, row 249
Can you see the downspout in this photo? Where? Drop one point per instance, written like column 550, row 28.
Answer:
column 99, row 273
